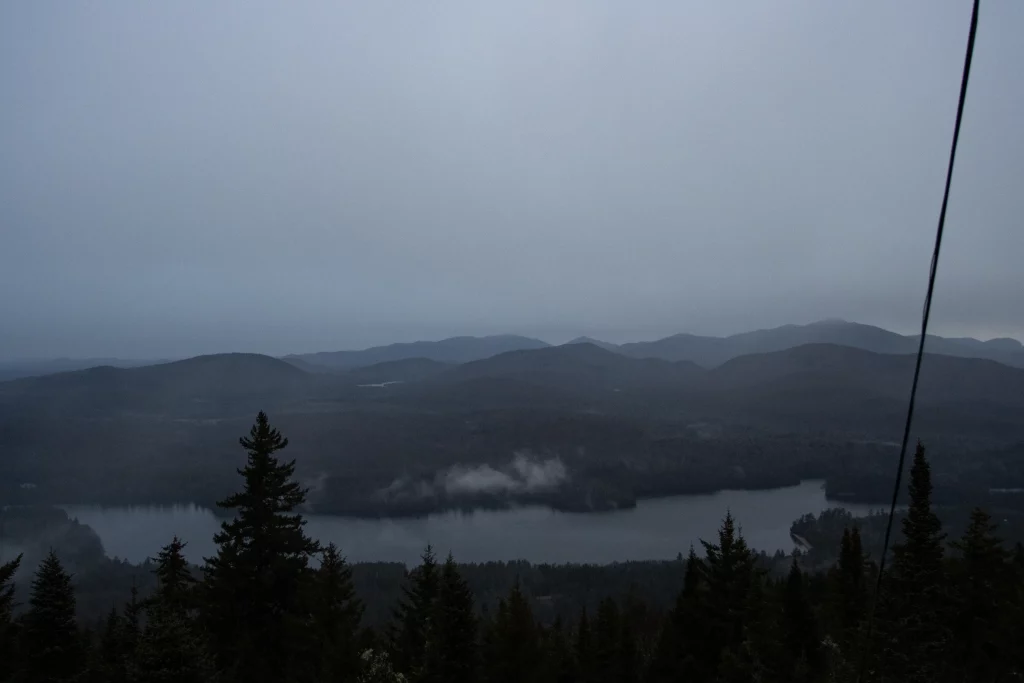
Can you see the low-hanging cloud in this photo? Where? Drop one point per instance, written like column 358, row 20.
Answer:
column 524, row 473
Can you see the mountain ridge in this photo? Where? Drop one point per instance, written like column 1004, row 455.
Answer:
column 450, row 350
column 706, row 351
column 713, row 351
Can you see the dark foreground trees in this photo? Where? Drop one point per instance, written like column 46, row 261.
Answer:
column 8, row 634
column 50, row 638
column 451, row 654
column 335, row 615
column 273, row 606
column 172, row 646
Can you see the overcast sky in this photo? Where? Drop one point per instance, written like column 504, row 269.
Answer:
column 190, row 177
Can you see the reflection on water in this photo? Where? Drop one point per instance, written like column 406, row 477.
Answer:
column 655, row 529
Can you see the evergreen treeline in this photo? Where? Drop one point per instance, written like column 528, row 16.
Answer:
column 272, row 605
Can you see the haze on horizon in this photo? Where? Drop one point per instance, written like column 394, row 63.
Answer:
column 185, row 178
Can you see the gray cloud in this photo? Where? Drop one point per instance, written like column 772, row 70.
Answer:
column 194, row 177
column 524, row 473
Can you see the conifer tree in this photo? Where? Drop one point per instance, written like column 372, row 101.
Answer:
column 680, row 644
column 489, row 647
column 451, row 648
column 981, row 579
column 336, row 613
column 171, row 647
column 627, row 664
column 801, row 638
column 131, row 630
column 53, row 650
column 914, row 625
column 557, row 655
column 607, row 634
column 516, row 647
column 665, row 663
column 7, row 628
column 7, row 572
column 411, row 621
column 728, row 570
column 175, row 582
column 848, row 595
column 583, row 649
column 171, row 650
column 256, row 585
column 111, row 663
column 1015, row 612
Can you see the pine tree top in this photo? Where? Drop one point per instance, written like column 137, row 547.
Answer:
column 335, row 592
column 730, row 559
column 51, row 588
column 922, row 548
column 268, row 495
column 51, row 636
column 979, row 541
column 7, row 572
column 268, row 482
column 175, row 580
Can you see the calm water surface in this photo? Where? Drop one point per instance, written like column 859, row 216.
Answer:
column 655, row 529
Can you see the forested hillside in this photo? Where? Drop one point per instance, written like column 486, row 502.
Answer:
column 621, row 427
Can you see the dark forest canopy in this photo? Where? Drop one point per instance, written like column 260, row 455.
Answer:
column 272, row 605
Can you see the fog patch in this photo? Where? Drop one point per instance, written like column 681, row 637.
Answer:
column 482, row 479
column 523, row 474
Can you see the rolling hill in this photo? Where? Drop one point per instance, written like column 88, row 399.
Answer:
column 452, row 350
column 816, row 381
column 395, row 371
column 36, row 368
column 943, row 378
column 830, row 387
column 607, row 346
column 233, row 382
column 169, row 432
column 713, row 351
column 579, row 368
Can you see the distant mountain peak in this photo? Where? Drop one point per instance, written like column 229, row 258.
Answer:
column 1004, row 343
column 607, row 346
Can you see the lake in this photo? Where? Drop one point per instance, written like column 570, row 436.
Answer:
column 656, row 529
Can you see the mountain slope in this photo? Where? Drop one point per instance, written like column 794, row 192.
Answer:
column 452, row 350
column 880, row 374
column 580, row 367
column 825, row 385
column 36, row 368
column 713, row 351
column 406, row 370
column 607, row 346
column 204, row 384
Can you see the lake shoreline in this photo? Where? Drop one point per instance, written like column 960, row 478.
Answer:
column 656, row 529
column 482, row 504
